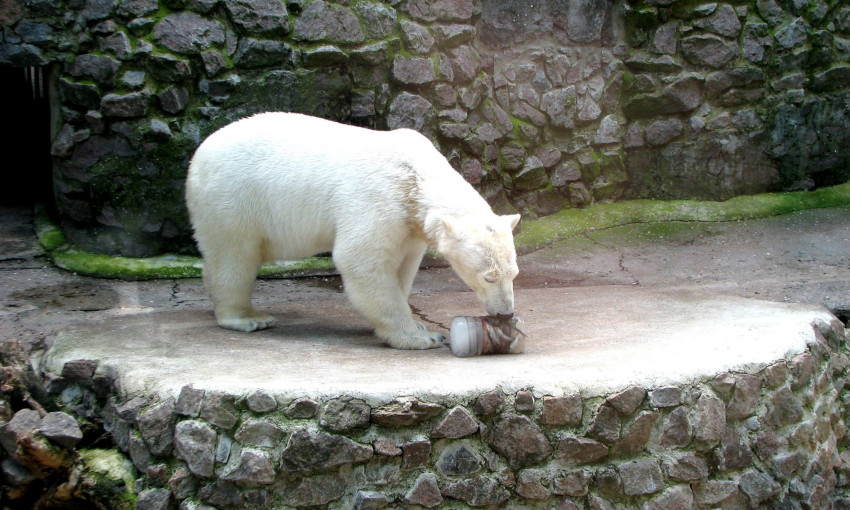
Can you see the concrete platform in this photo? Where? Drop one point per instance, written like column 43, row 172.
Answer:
column 593, row 341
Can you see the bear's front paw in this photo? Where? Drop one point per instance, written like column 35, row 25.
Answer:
column 247, row 323
column 421, row 339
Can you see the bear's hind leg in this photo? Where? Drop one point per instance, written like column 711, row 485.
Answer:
column 230, row 282
column 377, row 294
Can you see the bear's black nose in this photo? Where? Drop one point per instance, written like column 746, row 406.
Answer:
column 504, row 317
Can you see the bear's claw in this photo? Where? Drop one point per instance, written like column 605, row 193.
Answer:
column 248, row 323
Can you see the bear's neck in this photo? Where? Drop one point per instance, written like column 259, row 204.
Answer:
column 448, row 197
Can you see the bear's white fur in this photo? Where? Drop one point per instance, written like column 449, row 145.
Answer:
column 283, row 186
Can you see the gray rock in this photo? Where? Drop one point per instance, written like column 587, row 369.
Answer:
column 465, row 62
column 303, row 408
column 793, row 34
column 137, row 8
column 586, row 20
column 118, row 44
column 253, row 467
column 532, row 176
column 314, row 491
column 189, row 401
column 758, row 487
column 154, row 499
column 182, row 484
column 409, row 111
column 15, row 474
column 99, row 68
column 259, row 17
column 372, row 54
column 222, row 494
column 168, row 68
column 344, row 414
column 324, row 56
column 605, row 426
column 452, row 35
column 173, row 99
column 562, row 411
column 530, row 485
column 488, row 404
column 723, row 22
column 458, row 459
column 139, row 452
column 708, row 50
column 21, row 424
column 313, row 451
column 456, row 424
column 659, row 133
column 664, row 40
column 477, row 491
column 610, row 130
column 322, row 21
column 416, row 37
column 641, row 476
column 415, row 454
column 79, row 370
column 642, row 62
column 627, row 401
column 223, row 448
column 156, row 426
column 188, row 33
column 636, row 434
column 425, row 492
column 370, row 500
column 253, row 53
column 443, row 10
column 61, row 428
column 261, row 402
column 195, row 443
column 85, row 95
column 575, row 451
column 687, row 468
column 219, row 409
column 378, row 21
column 133, row 79
column 572, row 483
column 714, row 492
column 709, row 419
column 679, row 497
column 413, row 70
column 259, row 432
column 560, row 106
column 745, row 397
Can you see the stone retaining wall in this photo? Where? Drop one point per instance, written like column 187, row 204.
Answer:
column 771, row 439
column 542, row 106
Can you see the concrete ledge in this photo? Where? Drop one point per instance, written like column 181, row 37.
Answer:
column 626, row 397
column 535, row 234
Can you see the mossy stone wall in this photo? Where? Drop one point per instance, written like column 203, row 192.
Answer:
column 542, row 107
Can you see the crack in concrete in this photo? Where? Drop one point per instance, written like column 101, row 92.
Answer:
column 419, row 315
column 175, row 289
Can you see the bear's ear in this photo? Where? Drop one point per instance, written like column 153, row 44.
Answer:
column 513, row 219
column 449, row 228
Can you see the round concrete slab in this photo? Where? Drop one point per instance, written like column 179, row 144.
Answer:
column 593, row 340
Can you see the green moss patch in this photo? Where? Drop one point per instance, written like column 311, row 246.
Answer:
column 535, row 234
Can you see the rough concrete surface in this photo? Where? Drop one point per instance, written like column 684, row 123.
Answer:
column 640, row 303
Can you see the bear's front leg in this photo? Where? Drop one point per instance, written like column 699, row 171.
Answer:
column 377, row 294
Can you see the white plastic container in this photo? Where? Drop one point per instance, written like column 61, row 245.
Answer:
column 473, row 336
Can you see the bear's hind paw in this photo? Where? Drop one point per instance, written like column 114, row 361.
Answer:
column 247, row 323
column 421, row 340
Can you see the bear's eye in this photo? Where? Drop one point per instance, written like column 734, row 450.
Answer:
column 489, row 278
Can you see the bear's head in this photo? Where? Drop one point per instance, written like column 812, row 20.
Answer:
column 481, row 251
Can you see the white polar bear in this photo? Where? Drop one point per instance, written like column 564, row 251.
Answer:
column 283, row 186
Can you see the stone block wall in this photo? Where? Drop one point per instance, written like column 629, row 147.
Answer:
column 774, row 438
column 541, row 106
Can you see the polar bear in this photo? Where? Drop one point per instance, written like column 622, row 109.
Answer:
column 283, row 186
